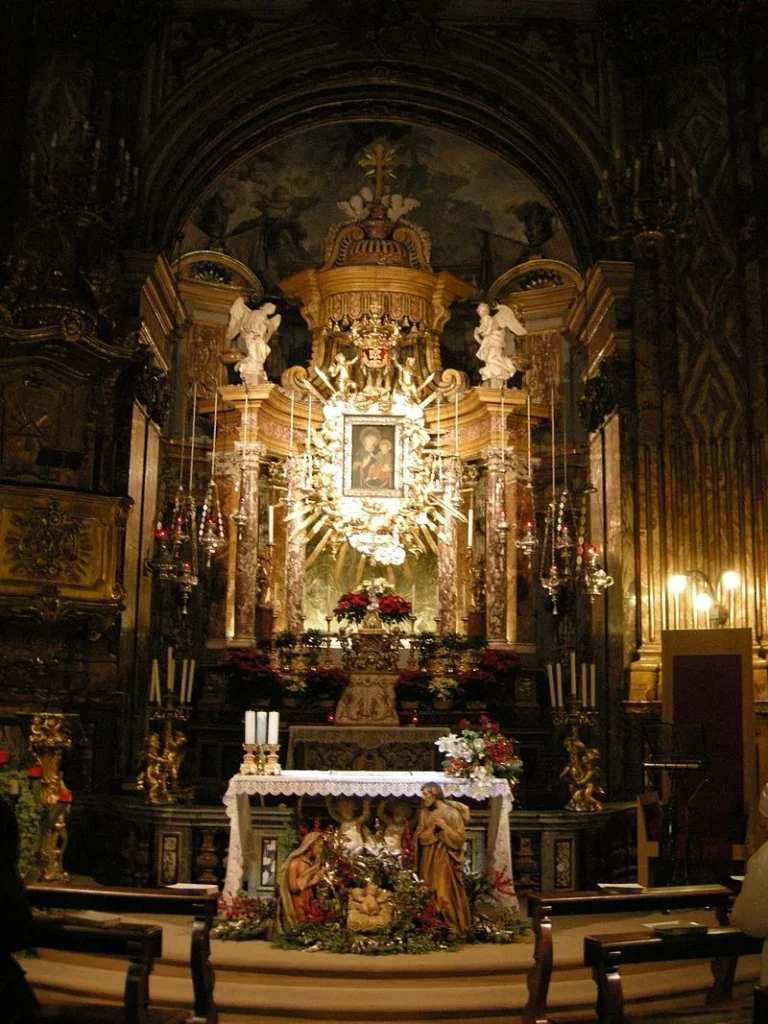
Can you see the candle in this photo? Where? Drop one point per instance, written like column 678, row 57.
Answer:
column 261, row 726
column 592, row 685
column 271, row 525
column 273, row 727
column 190, row 678
column 250, row 727
column 456, row 425
column 154, row 684
column 559, row 672
column 183, row 682
column 244, row 430
column 413, row 597
column 551, row 679
column 470, row 527
column 573, row 673
column 290, row 428
column 169, row 670
column 584, row 683
column 502, row 427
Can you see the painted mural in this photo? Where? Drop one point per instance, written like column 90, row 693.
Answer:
column 274, row 208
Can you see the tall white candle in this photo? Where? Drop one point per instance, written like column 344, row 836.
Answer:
column 183, row 681
column 559, row 674
column 593, row 685
column 573, row 673
column 250, row 727
column 273, row 727
column 584, row 683
column 154, row 685
column 190, row 678
column 169, row 672
column 470, row 527
column 271, row 525
column 456, row 425
column 551, row 679
column 290, row 428
column 261, row 726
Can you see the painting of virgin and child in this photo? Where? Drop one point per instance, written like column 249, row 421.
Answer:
column 371, row 454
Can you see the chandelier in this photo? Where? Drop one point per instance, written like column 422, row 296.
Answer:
column 371, row 475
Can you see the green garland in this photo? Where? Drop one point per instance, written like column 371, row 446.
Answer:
column 30, row 814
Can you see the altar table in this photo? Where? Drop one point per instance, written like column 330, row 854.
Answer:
column 403, row 784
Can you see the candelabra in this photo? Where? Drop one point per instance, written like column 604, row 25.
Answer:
column 261, row 759
column 582, row 773
column 161, row 756
column 644, row 200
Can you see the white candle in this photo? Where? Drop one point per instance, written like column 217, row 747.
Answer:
column 261, row 726
column 584, row 683
column 170, row 671
column 271, row 525
column 154, row 685
column 190, row 678
column 592, row 685
column 573, row 673
column 413, row 597
column 290, row 428
column 250, row 727
column 183, row 682
column 551, row 679
column 470, row 527
column 273, row 727
column 559, row 675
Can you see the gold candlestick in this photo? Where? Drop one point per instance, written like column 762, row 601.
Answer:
column 252, row 759
column 272, row 762
column 582, row 773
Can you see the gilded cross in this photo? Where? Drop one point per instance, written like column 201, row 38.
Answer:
column 378, row 162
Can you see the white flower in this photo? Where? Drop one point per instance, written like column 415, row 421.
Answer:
column 479, row 745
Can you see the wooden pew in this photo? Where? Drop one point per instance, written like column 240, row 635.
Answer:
column 605, row 954
column 543, row 908
column 140, row 944
column 760, row 1006
column 202, row 908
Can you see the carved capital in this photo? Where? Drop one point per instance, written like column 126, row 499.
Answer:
column 605, row 392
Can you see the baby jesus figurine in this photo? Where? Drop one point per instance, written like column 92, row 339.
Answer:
column 343, row 809
column 369, row 909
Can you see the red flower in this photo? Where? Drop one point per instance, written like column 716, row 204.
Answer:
column 464, row 723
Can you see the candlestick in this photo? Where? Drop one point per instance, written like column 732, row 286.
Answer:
column 154, row 685
column 593, row 685
column 261, row 727
column 584, row 683
column 250, row 727
column 559, row 676
column 170, row 670
column 273, row 727
column 573, row 673
column 290, row 428
column 271, row 525
column 413, row 597
column 551, row 679
column 190, row 678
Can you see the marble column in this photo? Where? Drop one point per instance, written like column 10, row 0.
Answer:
column 247, row 557
column 295, row 550
column 447, row 573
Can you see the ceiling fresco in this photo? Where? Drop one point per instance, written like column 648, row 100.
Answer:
column 273, row 209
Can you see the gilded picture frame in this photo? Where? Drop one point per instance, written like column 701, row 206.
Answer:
column 373, row 456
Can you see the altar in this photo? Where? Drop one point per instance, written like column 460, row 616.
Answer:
column 357, row 784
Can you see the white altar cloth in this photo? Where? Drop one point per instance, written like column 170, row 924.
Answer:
column 312, row 783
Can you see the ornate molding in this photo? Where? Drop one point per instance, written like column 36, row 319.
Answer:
column 605, row 392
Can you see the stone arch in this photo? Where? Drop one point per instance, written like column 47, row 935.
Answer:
column 262, row 93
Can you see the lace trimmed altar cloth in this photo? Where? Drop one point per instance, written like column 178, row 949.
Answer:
column 404, row 784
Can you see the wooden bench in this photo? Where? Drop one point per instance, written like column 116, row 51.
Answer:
column 605, row 954
column 760, row 1006
column 202, row 908
column 543, row 908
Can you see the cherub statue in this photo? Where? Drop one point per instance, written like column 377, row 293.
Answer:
column 174, row 755
column 406, row 377
column 357, row 207
column 490, row 334
column 582, row 774
column 369, row 909
column 395, row 814
column 343, row 809
column 152, row 775
column 257, row 326
column 339, row 372
column 398, row 206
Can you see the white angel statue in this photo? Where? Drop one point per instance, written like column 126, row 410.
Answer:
column 490, row 334
column 257, row 326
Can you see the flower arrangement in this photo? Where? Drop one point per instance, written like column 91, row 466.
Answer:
column 412, row 686
column 444, row 687
column 326, row 682
column 477, row 685
column 480, row 755
column 353, row 605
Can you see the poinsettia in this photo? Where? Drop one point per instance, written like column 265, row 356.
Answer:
column 353, row 605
